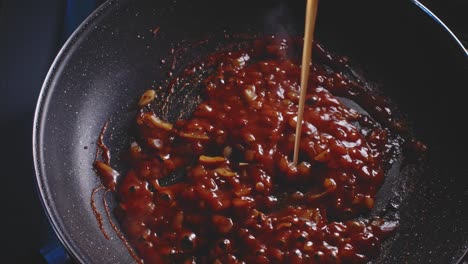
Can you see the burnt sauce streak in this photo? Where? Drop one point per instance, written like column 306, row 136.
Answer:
column 108, row 177
column 96, row 211
column 219, row 187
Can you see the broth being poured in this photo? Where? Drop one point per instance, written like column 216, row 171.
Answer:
column 311, row 15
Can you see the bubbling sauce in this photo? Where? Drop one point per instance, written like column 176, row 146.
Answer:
column 239, row 199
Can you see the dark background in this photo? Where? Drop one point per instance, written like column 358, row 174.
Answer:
column 31, row 34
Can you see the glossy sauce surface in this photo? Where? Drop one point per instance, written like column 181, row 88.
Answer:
column 239, row 199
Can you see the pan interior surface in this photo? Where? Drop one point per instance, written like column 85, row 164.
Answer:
column 109, row 62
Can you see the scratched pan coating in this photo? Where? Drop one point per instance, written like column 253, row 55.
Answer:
column 114, row 56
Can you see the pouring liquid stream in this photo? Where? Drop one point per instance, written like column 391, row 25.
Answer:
column 311, row 15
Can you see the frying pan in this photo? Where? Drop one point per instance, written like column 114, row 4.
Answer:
column 113, row 57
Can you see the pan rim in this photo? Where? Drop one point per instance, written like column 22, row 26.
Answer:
column 441, row 24
column 41, row 111
column 40, row 115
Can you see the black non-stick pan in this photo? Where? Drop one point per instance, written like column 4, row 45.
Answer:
column 115, row 55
